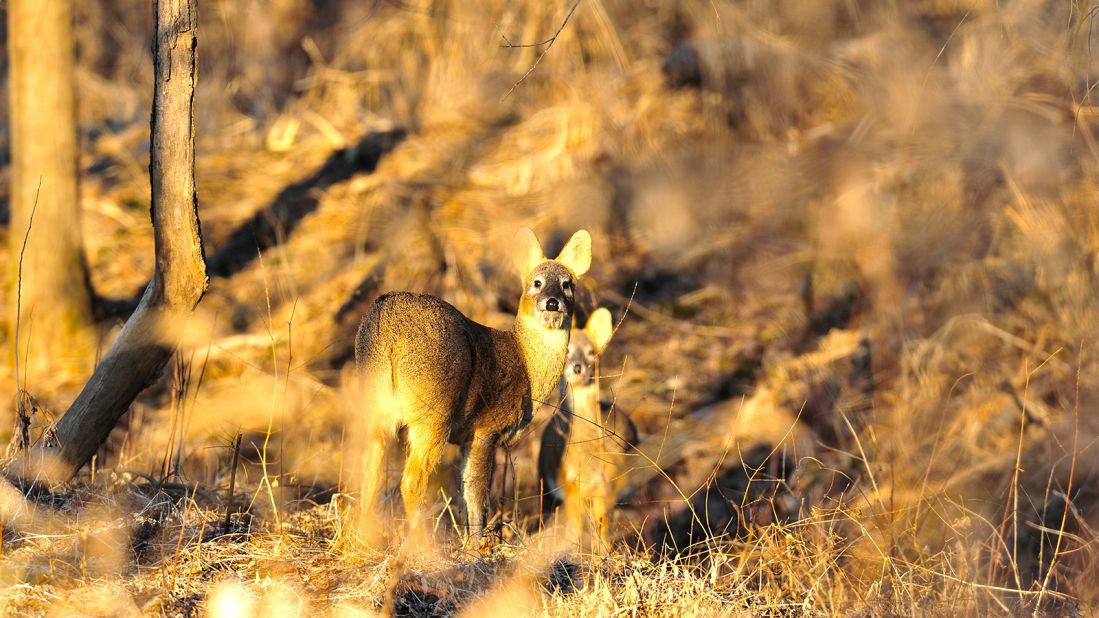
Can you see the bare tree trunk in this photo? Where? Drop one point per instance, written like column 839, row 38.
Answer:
column 151, row 335
column 55, row 305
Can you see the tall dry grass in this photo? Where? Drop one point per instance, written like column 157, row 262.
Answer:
column 916, row 177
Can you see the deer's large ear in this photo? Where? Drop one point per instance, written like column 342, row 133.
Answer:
column 528, row 253
column 577, row 253
column 600, row 328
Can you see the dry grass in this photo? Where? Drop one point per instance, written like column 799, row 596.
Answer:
column 856, row 241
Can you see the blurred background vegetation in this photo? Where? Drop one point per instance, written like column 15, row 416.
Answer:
column 853, row 246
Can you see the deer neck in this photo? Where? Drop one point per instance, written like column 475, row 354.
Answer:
column 544, row 352
column 584, row 402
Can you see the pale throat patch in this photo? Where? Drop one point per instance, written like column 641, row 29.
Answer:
column 552, row 336
column 545, row 356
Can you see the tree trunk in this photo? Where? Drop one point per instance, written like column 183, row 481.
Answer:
column 151, row 335
column 51, row 327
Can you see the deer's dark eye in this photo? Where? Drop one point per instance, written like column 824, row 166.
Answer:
column 566, row 285
column 537, row 283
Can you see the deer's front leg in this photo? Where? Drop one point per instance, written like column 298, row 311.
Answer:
column 476, row 480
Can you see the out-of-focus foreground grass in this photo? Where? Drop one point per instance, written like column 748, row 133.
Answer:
column 852, row 244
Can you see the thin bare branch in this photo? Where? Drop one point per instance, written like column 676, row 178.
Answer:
column 548, row 43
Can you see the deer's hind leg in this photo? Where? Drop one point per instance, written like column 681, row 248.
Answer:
column 375, row 433
column 425, row 448
column 373, row 468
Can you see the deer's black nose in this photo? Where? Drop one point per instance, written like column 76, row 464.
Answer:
column 553, row 305
column 577, row 368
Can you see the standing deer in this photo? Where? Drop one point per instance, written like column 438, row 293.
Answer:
column 585, row 445
column 428, row 368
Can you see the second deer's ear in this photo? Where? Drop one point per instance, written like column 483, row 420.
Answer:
column 577, row 253
column 528, row 252
column 600, row 328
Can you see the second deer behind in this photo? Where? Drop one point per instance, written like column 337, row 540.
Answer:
column 585, row 446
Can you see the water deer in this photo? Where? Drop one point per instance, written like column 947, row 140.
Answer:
column 443, row 377
column 585, row 445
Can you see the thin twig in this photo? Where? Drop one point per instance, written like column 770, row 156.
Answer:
column 23, row 402
column 265, row 481
column 943, row 49
column 232, row 481
column 1068, row 490
column 509, row 45
column 19, row 285
column 548, row 43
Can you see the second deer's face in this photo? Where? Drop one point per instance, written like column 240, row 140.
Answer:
column 548, row 295
column 580, row 366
